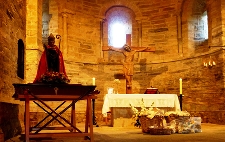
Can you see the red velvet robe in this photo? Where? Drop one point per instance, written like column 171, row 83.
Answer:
column 43, row 66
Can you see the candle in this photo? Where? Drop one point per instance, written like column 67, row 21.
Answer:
column 93, row 81
column 180, row 85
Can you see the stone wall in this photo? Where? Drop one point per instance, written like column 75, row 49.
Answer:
column 223, row 18
column 166, row 26
column 12, row 30
column 11, row 120
column 158, row 23
column 34, row 44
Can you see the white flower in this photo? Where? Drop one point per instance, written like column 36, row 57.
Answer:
column 149, row 112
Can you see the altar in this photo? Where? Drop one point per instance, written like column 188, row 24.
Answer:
column 121, row 113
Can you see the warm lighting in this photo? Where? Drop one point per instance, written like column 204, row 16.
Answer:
column 209, row 63
column 118, row 35
column 119, row 24
column 93, row 81
column 180, row 85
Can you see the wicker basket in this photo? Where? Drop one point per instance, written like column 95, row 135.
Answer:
column 147, row 122
column 171, row 117
column 160, row 131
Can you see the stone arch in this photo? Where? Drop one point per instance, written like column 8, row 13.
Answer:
column 124, row 3
column 135, row 23
column 49, row 19
column 191, row 10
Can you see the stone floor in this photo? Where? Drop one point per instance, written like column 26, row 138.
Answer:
column 103, row 133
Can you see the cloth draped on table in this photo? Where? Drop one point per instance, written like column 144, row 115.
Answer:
column 125, row 100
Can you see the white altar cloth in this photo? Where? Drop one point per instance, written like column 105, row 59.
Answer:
column 124, row 100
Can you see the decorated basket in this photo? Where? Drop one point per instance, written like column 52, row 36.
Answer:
column 160, row 131
column 171, row 117
column 146, row 123
column 183, row 125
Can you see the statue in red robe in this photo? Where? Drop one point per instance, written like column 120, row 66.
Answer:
column 51, row 60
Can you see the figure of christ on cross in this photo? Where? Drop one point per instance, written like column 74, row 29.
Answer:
column 128, row 64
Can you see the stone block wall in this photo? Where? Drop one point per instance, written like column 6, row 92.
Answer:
column 199, row 83
column 162, row 68
column 81, row 21
column 12, row 30
column 11, row 119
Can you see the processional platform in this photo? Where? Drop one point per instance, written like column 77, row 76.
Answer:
column 40, row 93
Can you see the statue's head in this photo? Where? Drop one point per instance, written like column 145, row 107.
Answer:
column 127, row 48
column 51, row 40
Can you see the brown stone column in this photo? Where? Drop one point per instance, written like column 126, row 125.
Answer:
column 34, row 45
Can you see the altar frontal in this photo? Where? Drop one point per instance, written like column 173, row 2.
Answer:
column 120, row 106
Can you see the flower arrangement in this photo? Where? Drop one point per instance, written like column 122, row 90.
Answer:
column 54, row 77
column 148, row 112
column 155, row 121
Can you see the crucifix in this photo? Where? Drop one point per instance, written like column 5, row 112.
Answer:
column 128, row 65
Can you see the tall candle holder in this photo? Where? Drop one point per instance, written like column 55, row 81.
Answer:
column 181, row 95
column 181, row 101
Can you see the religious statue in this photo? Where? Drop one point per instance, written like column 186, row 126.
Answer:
column 51, row 60
column 128, row 64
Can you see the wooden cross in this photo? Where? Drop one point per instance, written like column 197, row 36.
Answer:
column 128, row 63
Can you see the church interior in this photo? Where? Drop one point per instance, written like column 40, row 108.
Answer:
column 184, row 40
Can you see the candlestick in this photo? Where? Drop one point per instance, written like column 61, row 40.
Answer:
column 93, row 81
column 180, row 85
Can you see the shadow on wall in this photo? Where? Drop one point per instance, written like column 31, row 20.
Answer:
column 9, row 120
column 144, row 78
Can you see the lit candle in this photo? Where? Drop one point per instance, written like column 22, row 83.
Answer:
column 93, row 81
column 180, row 85
column 209, row 63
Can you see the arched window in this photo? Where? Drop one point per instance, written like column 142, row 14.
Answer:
column 45, row 21
column 49, row 19
column 205, row 23
column 119, row 22
column 200, row 22
column 194, row 26
column 20, row 60
column 201, row 27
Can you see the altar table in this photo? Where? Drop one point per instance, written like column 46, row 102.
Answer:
column 167, row 102
column 40, row 93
